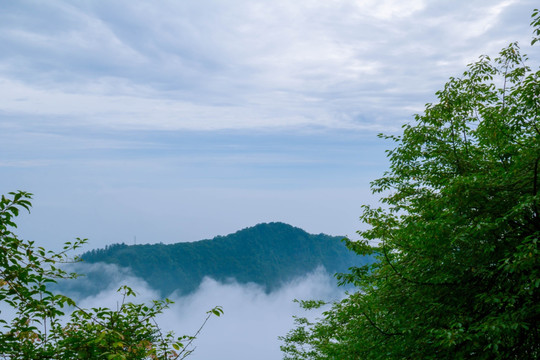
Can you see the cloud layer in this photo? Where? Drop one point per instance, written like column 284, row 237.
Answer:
column 241, row 65
column 249, row 327
column 252, row 321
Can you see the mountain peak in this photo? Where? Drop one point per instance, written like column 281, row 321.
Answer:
column 268, row 254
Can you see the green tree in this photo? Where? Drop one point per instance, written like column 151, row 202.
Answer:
column 456, row 240
column 41, row 329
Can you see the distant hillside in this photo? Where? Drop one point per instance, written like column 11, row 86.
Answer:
column 266, row 254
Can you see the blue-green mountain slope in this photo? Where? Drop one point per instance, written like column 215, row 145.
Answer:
column 269, row 254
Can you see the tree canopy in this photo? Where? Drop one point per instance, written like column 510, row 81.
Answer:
column 48, row 325
column 456, row 235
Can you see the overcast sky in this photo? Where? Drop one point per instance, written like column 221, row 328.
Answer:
column 181, row 120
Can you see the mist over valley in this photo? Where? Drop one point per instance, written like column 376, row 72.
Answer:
column 255, row 274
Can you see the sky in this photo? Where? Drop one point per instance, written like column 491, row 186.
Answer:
column 165, row 121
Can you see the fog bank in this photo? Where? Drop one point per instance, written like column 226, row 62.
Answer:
column 252, row 321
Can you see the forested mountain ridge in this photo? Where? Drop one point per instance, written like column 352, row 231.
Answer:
column 268, row 254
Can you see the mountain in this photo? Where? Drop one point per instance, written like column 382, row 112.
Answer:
column 268, row 254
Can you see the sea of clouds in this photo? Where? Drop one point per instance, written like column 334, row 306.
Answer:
column 252, row 321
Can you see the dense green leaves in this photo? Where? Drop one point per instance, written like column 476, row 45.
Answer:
column 42, row 329
column 457, row 238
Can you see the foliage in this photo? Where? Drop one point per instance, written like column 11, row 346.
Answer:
column 40, row 328
column 457, row 274
column 267, row 254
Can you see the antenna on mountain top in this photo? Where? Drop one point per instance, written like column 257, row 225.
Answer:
column 134, row 240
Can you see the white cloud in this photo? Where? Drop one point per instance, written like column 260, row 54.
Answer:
column 252, row 320
column 236, row 65
column 153, row 113
column 389, row 9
